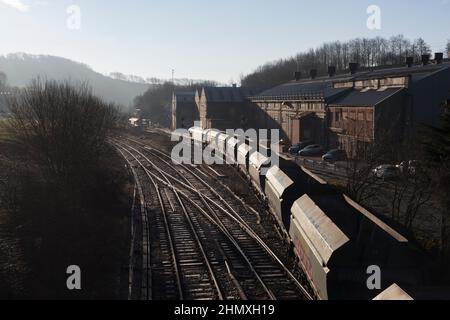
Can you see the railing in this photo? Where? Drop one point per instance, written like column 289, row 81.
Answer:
column 316, row 164
column 300, row 96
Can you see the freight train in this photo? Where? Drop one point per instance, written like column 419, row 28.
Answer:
column 340, row 245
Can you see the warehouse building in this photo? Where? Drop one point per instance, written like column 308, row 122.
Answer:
column 388, row 104
column 219, row 108
column 346, row 111
column 298, row 108
column 350, row 110
column 225, row 108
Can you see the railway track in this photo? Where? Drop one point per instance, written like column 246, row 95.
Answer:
column 143, row 290
column 202, row 245
column 178, row 267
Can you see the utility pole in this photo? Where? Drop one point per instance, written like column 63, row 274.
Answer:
column 173, row 76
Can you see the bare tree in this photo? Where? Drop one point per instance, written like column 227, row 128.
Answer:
column 10, row 184
column 361, row 184
column 412, row 189
column 404, row 195
column 3, row 80
column 364, row 155
column 3, row 86
column 61, row 127
column 448, row 49
column 421, row 48
column 61, row 184
column 436, row 144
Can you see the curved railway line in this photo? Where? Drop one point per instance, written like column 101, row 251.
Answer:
column 202, row 244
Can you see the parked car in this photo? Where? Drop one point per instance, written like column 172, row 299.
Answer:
column 311, row 151
column 335, row 155
column 410, row 167
column 386, row 172
column 294, row 149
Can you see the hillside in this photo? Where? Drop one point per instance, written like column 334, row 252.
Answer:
column 20, row 68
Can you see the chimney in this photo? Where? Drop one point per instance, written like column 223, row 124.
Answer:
column 331, row 71
column 438, row 57
column 234, row 85
column 425, row 59
column 353, row 66
column 409, row 61
column 313, row 73
column 297, row 75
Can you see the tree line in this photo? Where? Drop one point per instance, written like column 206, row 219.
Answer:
column 367, row 52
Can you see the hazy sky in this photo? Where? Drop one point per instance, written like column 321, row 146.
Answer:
column 204, row 39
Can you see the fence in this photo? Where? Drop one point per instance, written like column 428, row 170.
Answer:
column 338, row 169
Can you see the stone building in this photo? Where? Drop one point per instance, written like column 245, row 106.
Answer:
column 344, row 111
column 298, row 108
column 225, row 108
column 388, row 104
column 349, row 110
column 184, row 110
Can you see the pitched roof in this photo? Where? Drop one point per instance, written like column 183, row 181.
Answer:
column 186, row 96
column 310, row 89
column 322, row 88
column 370, row 98
column 416, row 72
column 229, row 94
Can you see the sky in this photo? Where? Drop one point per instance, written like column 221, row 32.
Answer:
column 204, row 39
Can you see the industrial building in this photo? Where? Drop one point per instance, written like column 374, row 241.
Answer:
column 219, row 108
column 225, row 108
column 345, row 111
column 349, row 110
